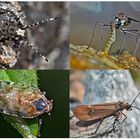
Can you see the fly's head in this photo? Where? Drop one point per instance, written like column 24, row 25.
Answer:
column 43, row 105
column 121, row 20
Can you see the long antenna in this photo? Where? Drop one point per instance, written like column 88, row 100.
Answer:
column 40, row 54
column 40, row 22
column 134, row 99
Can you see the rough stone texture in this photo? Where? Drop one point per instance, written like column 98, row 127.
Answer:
column 108, row 86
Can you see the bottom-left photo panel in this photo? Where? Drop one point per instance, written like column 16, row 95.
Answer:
column 34, row 103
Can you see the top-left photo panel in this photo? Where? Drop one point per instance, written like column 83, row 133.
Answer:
column 34, row 35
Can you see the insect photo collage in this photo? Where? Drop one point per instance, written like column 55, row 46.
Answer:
column 69, row 69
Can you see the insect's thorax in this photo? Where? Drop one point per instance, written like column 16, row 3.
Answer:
column 122, row 106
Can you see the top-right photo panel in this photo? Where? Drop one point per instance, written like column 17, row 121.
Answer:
column 105, row 35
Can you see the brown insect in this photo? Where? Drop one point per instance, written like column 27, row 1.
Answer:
column 99, row 112
column 23, row 101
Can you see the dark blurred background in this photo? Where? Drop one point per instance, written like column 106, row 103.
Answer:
column 56, row 84
column 83, row 15
column 51, row 39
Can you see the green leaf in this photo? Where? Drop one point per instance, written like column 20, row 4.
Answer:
column 26, row 127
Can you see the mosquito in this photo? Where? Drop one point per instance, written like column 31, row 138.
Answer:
column 120, row 22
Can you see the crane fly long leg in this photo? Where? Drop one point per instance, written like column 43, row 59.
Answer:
column 133, row 32
column 122, row 44
column 93, row 35
column 94, row 30
column 136, row 48
column 101, row 38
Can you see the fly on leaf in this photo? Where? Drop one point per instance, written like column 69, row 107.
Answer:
column 23, row 101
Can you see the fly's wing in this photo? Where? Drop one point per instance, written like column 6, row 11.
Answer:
column 95, row 112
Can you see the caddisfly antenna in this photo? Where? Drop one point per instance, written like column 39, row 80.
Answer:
column 136, row 107
column 135, row 99
column 29, row 45
column 38, row 23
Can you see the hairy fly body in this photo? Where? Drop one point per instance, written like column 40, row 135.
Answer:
column 23, row 101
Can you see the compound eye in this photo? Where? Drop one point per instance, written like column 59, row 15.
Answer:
column 40, row 105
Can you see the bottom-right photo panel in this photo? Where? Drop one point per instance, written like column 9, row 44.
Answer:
column 104, row 103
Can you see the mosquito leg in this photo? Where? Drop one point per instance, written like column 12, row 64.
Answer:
column 40, row 124
column 101, row 38
column 98, row 126
column 93, row 35
column 136, row 48
column 122, row 45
